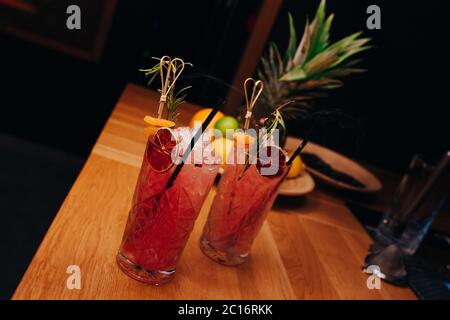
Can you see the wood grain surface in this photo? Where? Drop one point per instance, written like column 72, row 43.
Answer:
column 309, row 248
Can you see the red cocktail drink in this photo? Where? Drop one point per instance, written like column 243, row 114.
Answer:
column 243, row 199
column 161, row 218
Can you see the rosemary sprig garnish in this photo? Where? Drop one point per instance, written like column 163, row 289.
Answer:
column 275, row 120
column 174, row 99
column 272, row 123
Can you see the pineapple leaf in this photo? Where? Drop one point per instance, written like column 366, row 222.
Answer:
column 293, row 109
column 350, row 63
column 279, row 60
column 358, row 43
column 348, row 54
column 310, row 67
column 345, row 42
column 320, row 83
column 292, row 40
column 261, row 76
column 312, row 33
column 267, row 70
column 300, row 97
column 295, row 74
column 332, row 86
column 343, row 72
column 316, row 36
column 303, row 48
column 325, row 36
column 321, row 62
column 272, row 62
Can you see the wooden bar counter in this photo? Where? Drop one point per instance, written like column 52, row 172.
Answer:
column 309, row 248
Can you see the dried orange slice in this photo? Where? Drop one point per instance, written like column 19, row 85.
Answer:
column 162, row 149
column 270, row 156
column 155, row 122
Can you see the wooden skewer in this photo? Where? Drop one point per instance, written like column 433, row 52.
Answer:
column 257, row 89
column 168, row 80
column 165, row 62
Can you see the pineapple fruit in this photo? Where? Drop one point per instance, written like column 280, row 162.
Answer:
column 310, row 67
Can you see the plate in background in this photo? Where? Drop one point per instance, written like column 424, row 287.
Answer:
column 340, row 163
column 299, row 186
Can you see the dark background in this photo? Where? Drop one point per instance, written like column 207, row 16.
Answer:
column 60, row 101
column 53, row 105
column 400, row 103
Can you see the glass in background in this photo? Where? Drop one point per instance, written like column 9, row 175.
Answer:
column 419, row 197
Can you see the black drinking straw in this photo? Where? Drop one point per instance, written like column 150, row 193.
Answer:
column 297, row 152
column 193, row 142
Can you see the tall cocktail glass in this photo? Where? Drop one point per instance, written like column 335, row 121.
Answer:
column 242, row 202
column 161, row 219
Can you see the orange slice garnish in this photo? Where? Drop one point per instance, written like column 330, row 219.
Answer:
column 162, row 149
column 155, row 122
